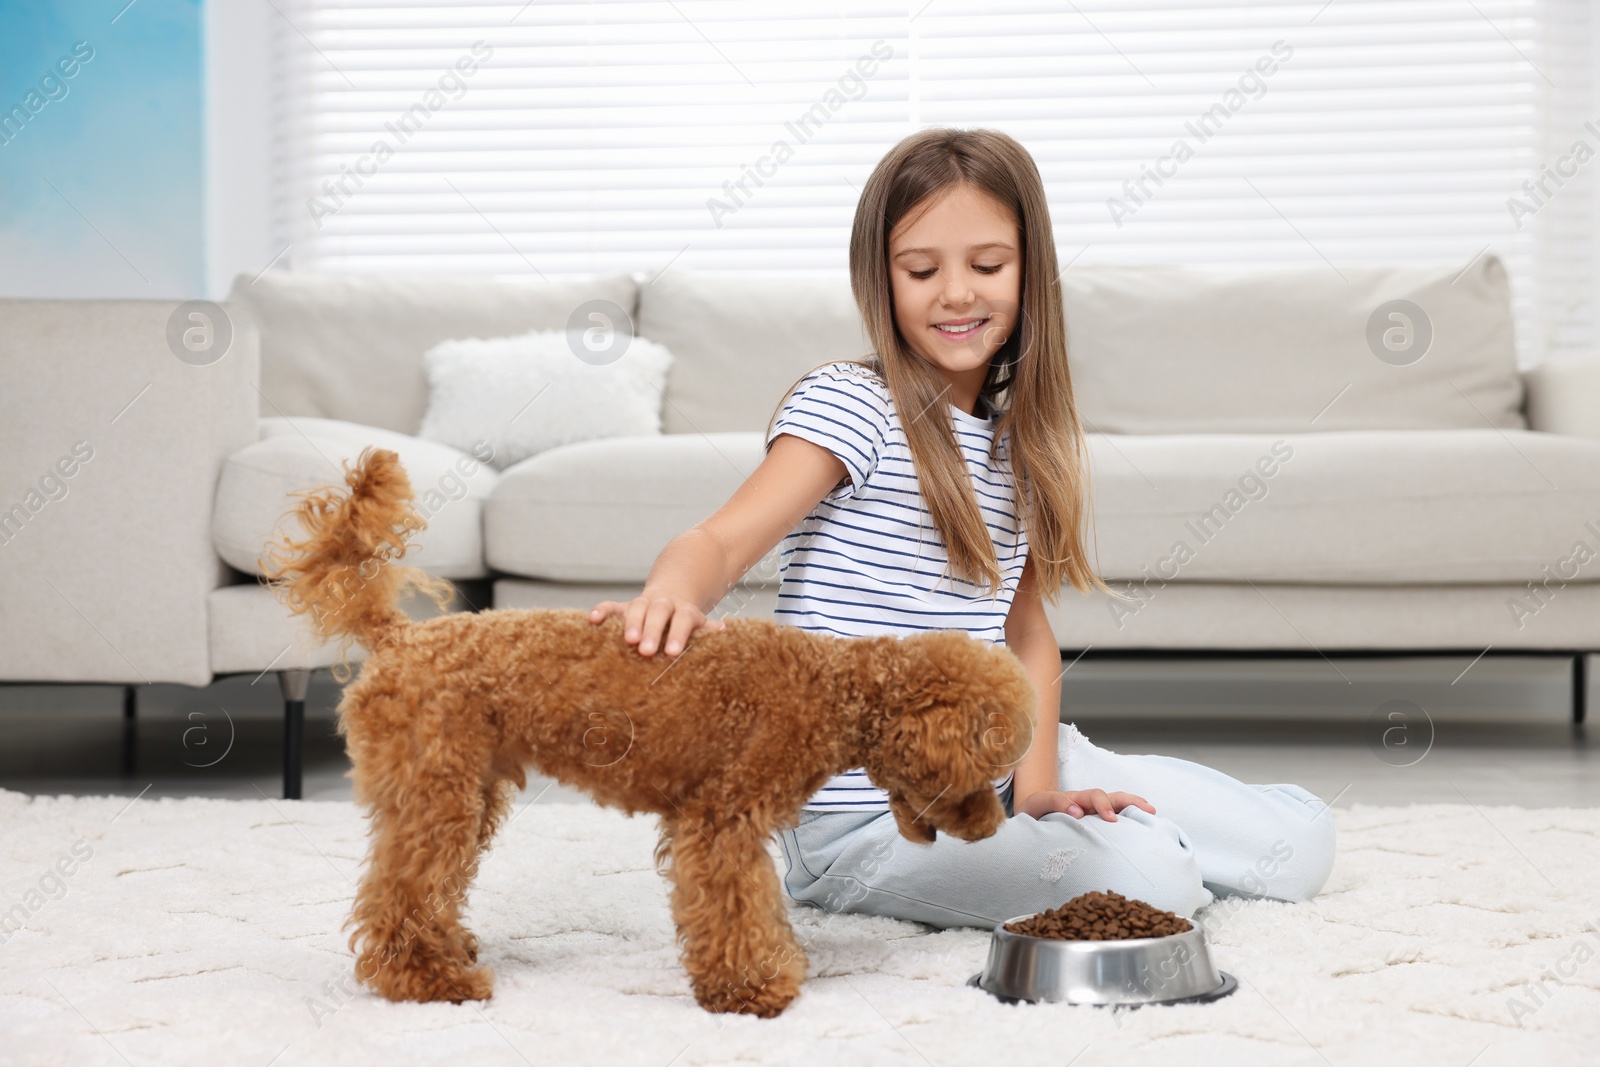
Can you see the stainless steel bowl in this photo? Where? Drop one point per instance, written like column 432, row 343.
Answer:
column 1138, row 970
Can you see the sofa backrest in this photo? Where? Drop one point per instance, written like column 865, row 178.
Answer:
column 350, row 347
column 1160, row 350
column 741, row 340
column 1154, row 349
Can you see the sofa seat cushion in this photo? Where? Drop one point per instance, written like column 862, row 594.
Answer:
column 601, row 511
column 1294, row 616
column 1361, row 507
column 296, row 455
column 1366, row 506
column 252, row 632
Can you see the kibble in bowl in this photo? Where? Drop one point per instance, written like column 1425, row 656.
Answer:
column 1101, row 948
column 1097, row 916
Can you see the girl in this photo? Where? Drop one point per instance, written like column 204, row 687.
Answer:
column 939, row 484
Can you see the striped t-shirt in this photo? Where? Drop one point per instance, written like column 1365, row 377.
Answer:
column 868, row 559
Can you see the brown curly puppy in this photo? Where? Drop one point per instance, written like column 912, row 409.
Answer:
column 725, row 744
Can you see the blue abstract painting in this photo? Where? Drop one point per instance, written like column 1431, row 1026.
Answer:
column 102, row 161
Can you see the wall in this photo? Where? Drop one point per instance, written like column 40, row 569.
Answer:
column 240, row 37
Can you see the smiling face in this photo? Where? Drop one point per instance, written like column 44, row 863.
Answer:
column 956, row 263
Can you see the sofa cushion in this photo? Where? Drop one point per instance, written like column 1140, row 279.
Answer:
column 295, row 455
column 1175, row 350
column 1358, row 507
column 1363, row 506
column 741, row 340
column 350, row 347
column 530, row 393
column 601, row 511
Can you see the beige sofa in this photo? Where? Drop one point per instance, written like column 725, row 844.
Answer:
column 1274, row 466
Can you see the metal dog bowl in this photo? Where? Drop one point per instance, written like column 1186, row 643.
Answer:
column 1138, row 970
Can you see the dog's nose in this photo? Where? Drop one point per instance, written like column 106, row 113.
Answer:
column 978, row 816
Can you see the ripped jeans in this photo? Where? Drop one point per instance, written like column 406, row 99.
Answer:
column 1212, row 836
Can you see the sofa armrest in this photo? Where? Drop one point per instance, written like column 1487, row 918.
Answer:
column 1564, row 396
column 110, row 451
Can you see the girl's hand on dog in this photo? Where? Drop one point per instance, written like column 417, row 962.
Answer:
column 1076, row 802
column 647, row 620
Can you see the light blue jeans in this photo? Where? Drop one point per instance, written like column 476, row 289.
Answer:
column 1211, row 836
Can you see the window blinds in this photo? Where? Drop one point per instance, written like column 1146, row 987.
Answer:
column 560, row 139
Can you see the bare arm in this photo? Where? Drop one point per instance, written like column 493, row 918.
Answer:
column 1036, row 790
column 1030, row 639
column 698, row 567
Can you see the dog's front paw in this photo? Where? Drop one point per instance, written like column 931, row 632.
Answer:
column 431, row 979
column 469, row 945
column 476, row 983
column 453, row 983
column 766, row 1000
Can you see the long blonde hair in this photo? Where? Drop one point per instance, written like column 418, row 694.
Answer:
column 1029, row 371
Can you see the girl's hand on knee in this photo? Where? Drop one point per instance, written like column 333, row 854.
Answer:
column 1077, row 802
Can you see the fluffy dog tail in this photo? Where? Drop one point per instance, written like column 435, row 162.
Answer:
column 343, row 574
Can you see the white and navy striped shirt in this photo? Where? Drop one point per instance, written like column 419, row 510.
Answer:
column 869, row 559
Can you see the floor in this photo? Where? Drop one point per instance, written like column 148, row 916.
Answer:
column 1423, row 730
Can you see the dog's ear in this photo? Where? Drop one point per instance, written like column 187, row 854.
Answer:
column 911, row 827
column 1007, row 735
column 936, row 748
column 962, row 701
column 928, row 753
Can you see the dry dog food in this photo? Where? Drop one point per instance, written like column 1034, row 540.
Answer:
column 1100, row 917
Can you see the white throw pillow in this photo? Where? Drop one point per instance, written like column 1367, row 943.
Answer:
column 529, row 393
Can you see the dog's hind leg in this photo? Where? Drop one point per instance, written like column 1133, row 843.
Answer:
column 498, row 793
column 497, row 796
column 427, row 824
column 738, row 946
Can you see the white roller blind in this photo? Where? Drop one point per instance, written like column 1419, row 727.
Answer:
column 615, row 136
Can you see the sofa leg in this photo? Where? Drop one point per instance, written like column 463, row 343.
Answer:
column 130, row 730
column 1580, row 686
column 295, row 685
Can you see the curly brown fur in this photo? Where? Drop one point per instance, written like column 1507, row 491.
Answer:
column 725, row 743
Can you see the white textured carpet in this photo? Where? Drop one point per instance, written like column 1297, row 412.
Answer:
column 207, row 932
